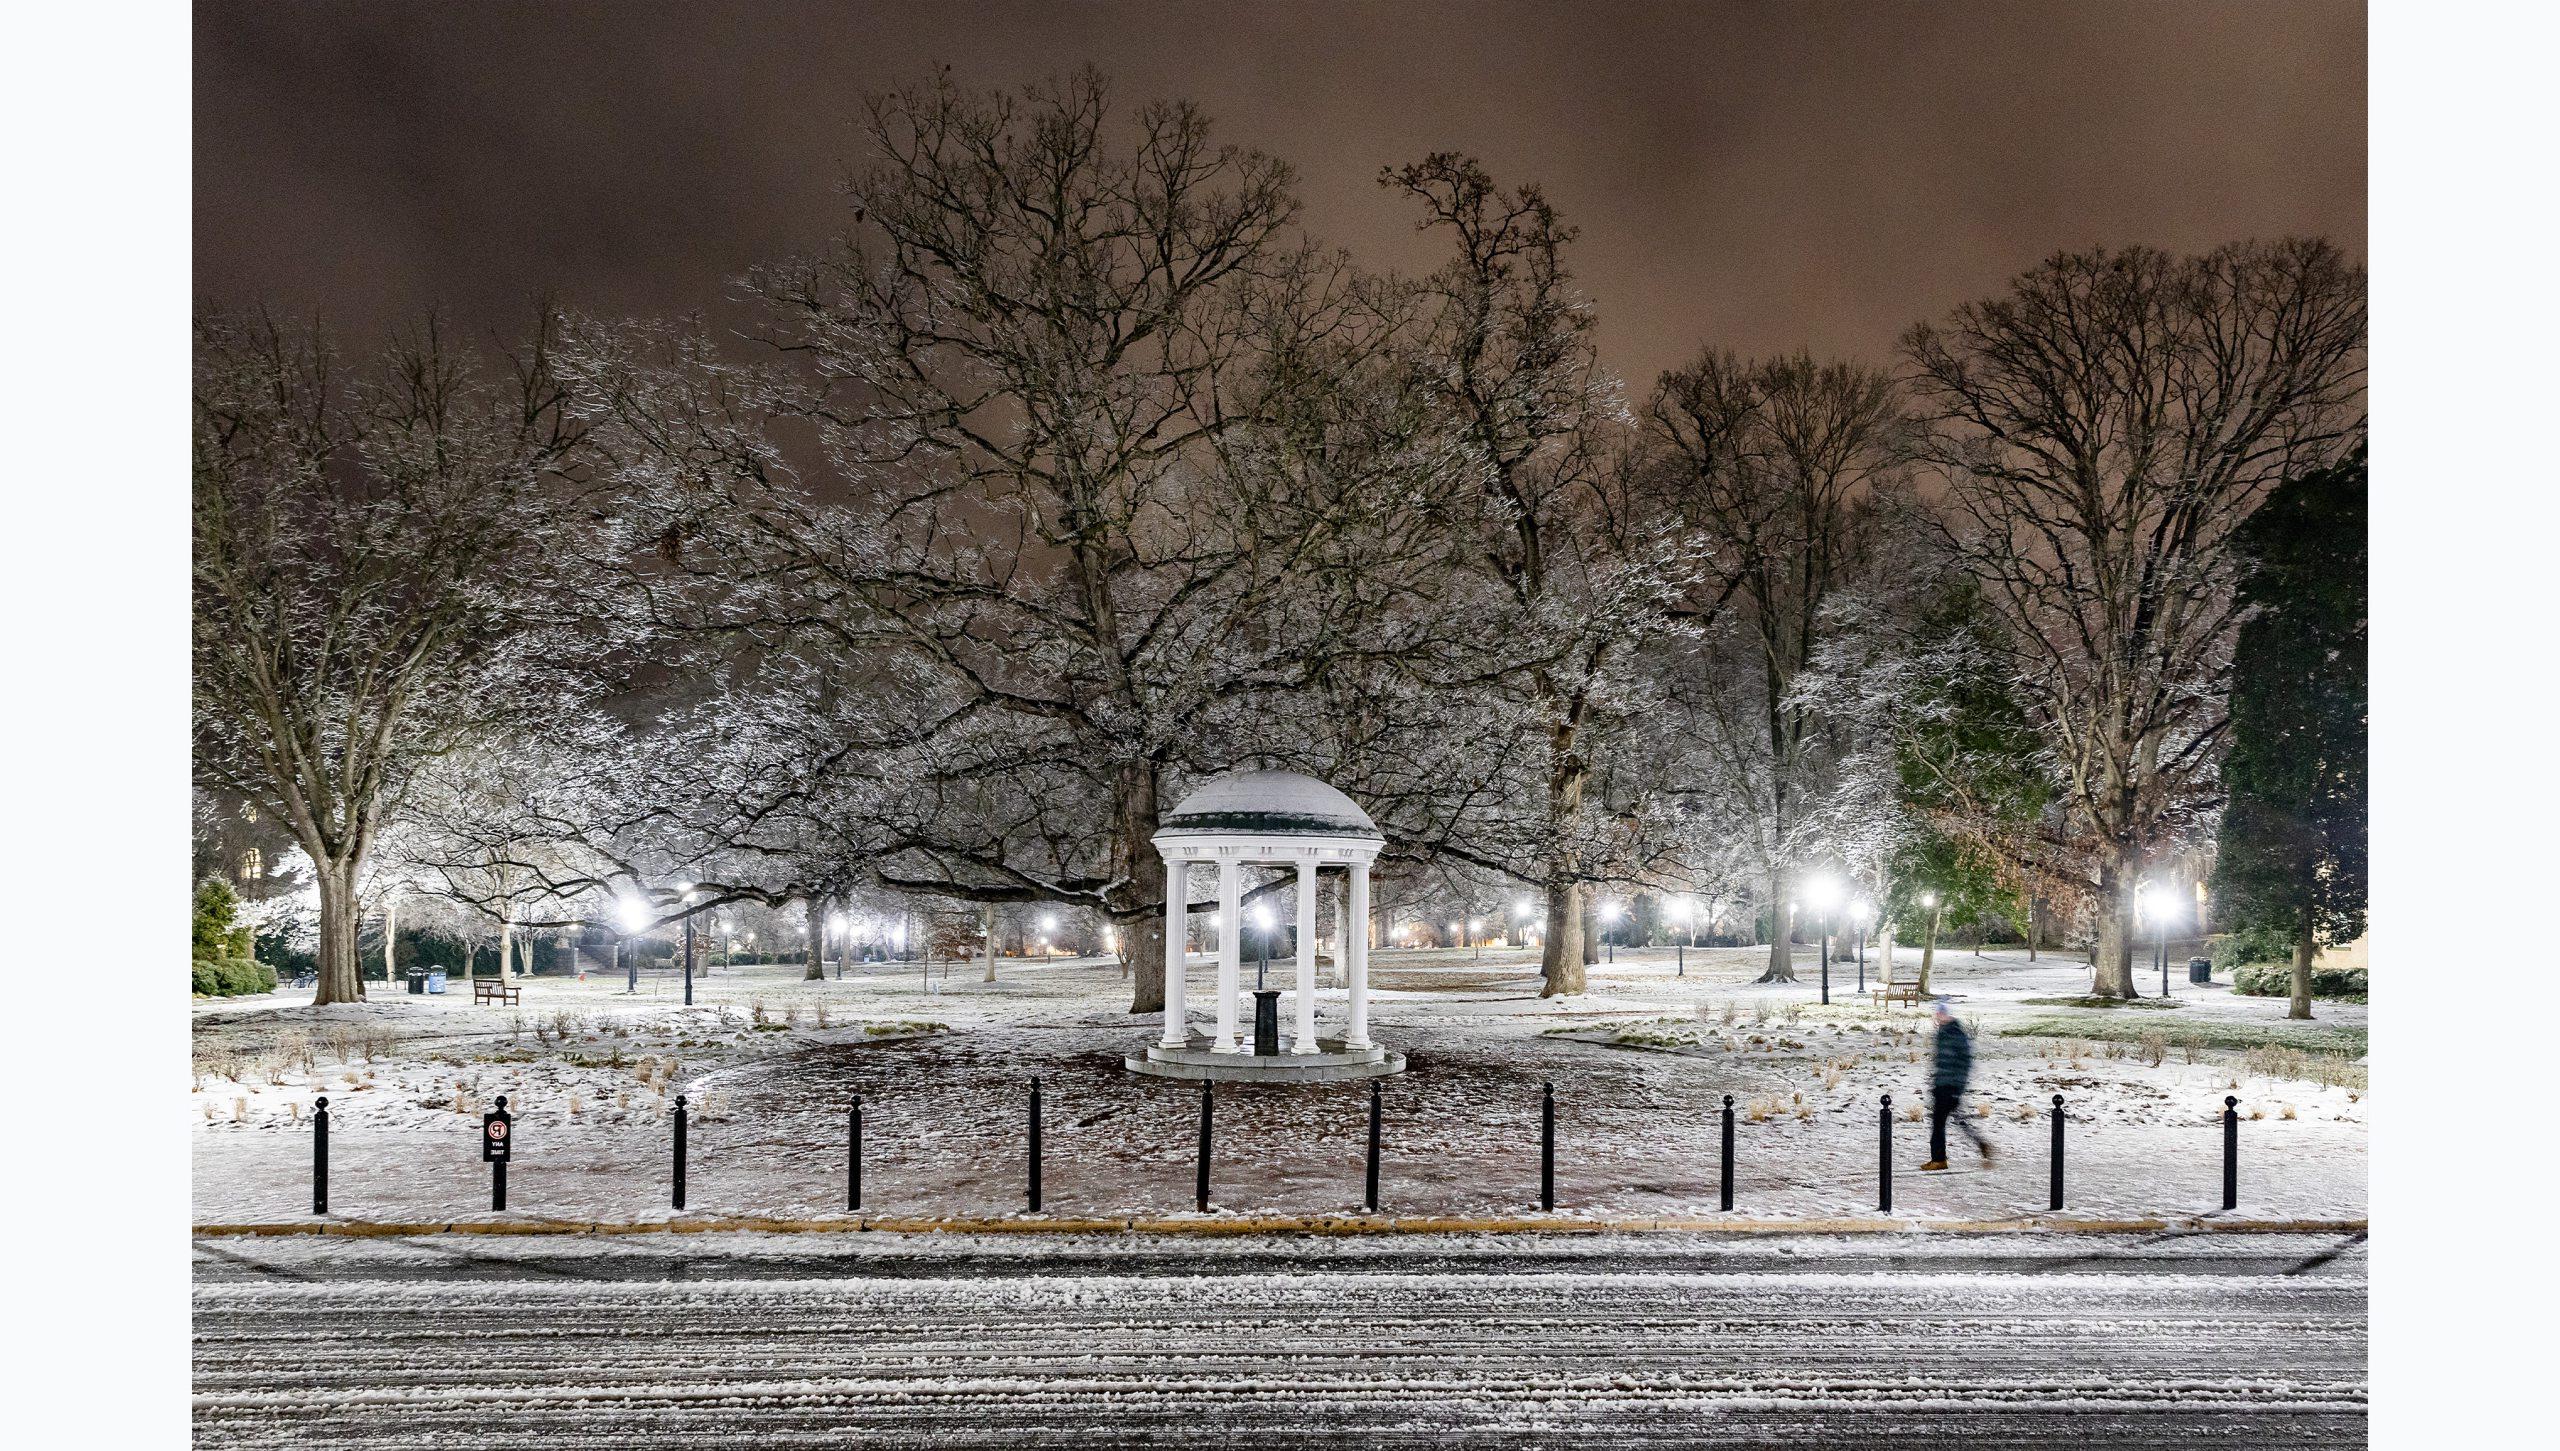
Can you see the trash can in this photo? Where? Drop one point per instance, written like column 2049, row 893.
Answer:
column 435, row 981
column 2199, row 969
column 418, row 982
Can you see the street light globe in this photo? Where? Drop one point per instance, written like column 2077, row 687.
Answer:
column 1678, row 909
column 1526, row 907
column 2155, row 903
column 1864, row 910
column 1928, row 899
column 836, row 921
column 1608, row 911
column 1826, row 892
column 1475, row 924
column 1262, row 916
column 1048, row 921
column 632, row 913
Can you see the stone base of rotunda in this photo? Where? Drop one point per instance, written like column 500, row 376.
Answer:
column 1331, row 1061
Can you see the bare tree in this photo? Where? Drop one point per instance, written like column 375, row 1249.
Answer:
column 375, row 552
column 1050, row 372
column 2101, row 430
column 1769, row 461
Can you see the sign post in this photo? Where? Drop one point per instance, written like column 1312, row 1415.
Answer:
column 497, row 1145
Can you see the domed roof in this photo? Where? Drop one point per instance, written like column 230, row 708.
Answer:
column 1272, row 803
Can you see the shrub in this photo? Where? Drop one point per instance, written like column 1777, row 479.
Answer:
column 2275, row 980
column 278, row 952
column 2232, row 950
column 231, row 977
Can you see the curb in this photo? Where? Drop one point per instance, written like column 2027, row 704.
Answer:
column 1279, row 1224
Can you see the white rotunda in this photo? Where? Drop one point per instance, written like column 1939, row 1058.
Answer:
column 1269, row 819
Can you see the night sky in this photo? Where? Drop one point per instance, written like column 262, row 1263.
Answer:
column 1758, row 176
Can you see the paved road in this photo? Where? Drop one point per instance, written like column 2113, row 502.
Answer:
column 1005, row 1341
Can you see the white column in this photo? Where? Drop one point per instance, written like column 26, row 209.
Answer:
column 1177, row 925
column 1229, row 917
column 1342, row 931
column 1305, row 1039
column 1357, row 1034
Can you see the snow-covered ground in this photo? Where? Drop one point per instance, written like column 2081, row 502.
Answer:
column 1640, row 1064
column 2253, row 1340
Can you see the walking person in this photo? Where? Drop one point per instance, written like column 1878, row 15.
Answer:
column 1946, row 1088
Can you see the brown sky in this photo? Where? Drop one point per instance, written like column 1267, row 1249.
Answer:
column 1761, row 176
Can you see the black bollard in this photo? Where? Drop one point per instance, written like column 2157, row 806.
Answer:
column 1884, row 1156
column 853, row 1155
column 1371, row 1199
column 1547, row 1147
column 320, row 1157
column 1200, row 1189
column 1035, row 1146
column 1724, row 1185
column 2056, row 1196
column 2230, row 1153
column 679, row 1151
column 1680, row 954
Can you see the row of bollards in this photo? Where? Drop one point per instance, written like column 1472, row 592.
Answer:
column 497, row 1148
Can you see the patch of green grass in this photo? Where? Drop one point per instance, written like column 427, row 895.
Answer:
column 2096, row 1028
column 2102, row 1003
column 882, row 1029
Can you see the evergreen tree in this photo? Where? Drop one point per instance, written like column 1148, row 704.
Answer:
column 2292, row 847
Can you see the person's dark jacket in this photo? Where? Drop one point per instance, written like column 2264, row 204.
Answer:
column 1955, row 1056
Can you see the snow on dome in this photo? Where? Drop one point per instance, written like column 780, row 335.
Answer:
column 1279, row 803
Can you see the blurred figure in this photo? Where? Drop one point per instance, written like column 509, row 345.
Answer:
column 1946, row 1088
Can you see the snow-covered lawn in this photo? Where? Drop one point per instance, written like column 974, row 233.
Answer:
column 1640, row 1064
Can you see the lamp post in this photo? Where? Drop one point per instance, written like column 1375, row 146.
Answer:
column 2153, row 902
column 1863, row 911
column 1826, row 901
column 1475, row 938
column 684, row 894
column 1048, row 934
column 632, row 915
column 1262, row 964
column 1609, row 914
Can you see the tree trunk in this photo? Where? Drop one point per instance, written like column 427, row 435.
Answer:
column 1782, row 929
column 987, row 929
column 817, row 970
column 341, row 973
column 2305, row 943
column 1590, row 929
column 1561, row 961
column 507, row 951
column 2031, row 929
column 2112, row 959
column 1139, row 869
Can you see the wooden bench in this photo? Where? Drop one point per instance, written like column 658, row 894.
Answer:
column 1890, row 991
column 490, row 990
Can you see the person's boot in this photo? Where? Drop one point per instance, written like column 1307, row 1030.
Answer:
column 1986, row 1151
column 1933, row 1164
